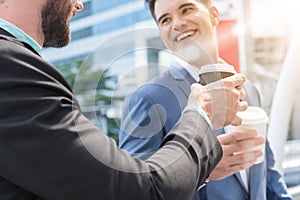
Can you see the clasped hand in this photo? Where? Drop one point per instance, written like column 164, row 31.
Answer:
column 220, row 100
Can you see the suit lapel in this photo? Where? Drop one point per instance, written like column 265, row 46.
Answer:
column 4, row 32
column 185, row 87
column 9, row 37
column 181, row 74
column 240, row 181
column 258, row 182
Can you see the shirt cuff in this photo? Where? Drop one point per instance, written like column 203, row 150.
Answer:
column 203, row 184
column 201, row 112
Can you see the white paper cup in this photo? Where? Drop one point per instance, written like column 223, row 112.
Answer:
column 214, row 72
column 256, row 118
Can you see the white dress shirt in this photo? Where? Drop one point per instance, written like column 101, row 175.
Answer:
column 194, row 72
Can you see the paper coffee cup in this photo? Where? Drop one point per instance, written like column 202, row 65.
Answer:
column 214, row 72
column 255, row 118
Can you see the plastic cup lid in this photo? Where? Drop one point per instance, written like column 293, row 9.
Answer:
column 217, row 68
column 253, row 115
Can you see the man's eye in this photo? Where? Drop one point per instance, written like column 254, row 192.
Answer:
column 186, row 10
column 165, row 20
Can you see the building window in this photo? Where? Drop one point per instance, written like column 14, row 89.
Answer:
column 84, row 33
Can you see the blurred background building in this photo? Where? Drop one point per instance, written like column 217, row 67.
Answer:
column 116, row 47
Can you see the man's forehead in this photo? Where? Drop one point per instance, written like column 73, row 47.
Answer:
column 162, row 6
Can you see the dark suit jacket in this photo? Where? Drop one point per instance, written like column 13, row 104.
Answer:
column 49, row 150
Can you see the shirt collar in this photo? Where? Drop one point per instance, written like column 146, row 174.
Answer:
column 193, row 71
column 20, row 35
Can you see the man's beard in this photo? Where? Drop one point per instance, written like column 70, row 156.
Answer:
column 55, row 23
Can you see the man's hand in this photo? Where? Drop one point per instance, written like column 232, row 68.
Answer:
column 237, row 152
column 220, row 100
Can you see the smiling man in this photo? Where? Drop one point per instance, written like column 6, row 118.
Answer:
column 188, row 28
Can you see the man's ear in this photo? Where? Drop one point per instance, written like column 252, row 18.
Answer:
column 214, row 15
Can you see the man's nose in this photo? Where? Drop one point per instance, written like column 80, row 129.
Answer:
column 179, row 24
column 79, row 5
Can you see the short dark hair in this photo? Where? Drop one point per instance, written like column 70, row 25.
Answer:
column 151, row 4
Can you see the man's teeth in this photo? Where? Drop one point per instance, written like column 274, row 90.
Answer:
column 184, row 35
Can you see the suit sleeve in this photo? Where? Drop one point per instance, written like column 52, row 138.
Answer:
column 276, row 187
column 49, row 149
column 142, row 125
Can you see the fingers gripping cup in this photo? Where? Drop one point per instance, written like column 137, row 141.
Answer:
column 255, row 118
column 214, row 72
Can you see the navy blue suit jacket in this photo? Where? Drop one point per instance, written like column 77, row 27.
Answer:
column 155, row 107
